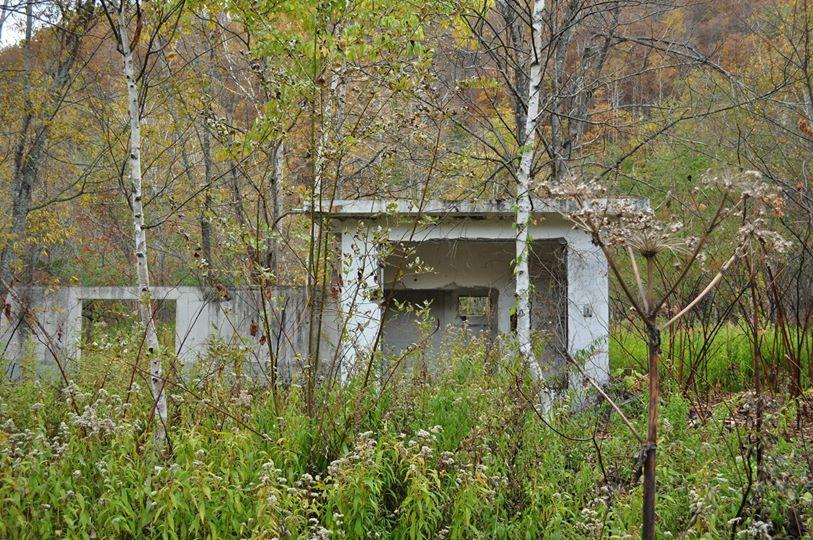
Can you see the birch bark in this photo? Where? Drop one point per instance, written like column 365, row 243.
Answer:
column 524, row 205
column 142, row 268
column 277, row 195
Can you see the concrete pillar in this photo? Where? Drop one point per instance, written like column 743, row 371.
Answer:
column 588, row 313
column 360, row 296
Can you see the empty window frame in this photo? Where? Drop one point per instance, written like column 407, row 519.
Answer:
column 473, row 306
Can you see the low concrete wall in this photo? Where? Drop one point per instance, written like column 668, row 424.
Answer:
column 277, row 324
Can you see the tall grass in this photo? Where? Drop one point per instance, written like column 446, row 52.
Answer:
column 454, row 452
column 722, row 363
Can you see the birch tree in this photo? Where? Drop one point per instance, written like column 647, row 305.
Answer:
column 117, row 16
column 277, row 197
column 524, row 193
column 533, row 95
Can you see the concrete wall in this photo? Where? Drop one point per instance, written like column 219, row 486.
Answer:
column 569, row 272
column 54, row 324
column 401, row 327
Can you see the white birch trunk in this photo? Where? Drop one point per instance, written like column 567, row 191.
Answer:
column 142, row 269
column 276, row 205
column 523, row 288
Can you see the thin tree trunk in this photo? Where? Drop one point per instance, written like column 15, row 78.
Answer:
column 332, row 117
column 142, row 268
column 21, row 206
column 508, row 10
column 524, row 191
column 5, row 13
column 205, row 223
column 25, row 296
column 317, row 236
column 33, row 137
column 208, row 177
column 277, row 195
column 24, row 168
column 242, row 222
column 558, row 138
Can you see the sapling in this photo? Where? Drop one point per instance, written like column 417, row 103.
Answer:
column 627, row 229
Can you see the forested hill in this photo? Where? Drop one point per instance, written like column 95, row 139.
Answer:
column 246, row 106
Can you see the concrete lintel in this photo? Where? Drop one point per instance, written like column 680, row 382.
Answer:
column 553, row 228
column 375, row 208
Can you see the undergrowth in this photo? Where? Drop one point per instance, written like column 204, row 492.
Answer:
column 454, row 452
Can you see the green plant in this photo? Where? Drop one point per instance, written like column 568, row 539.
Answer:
column 455, row 453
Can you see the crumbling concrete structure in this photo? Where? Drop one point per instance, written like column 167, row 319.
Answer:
column 455, row 259
column 443, row 252
column 52, row 325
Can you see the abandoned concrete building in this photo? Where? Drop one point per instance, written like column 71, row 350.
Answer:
column 455, row 259
column 459, row 258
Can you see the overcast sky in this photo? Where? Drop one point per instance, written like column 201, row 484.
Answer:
column 12, row 18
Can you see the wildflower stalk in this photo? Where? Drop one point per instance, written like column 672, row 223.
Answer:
column 634, row 230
